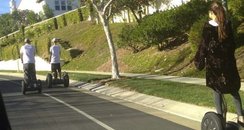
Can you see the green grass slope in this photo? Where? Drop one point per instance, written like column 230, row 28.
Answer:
column 90, row 38
column 85, row 36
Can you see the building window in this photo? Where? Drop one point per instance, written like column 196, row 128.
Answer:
column 69, row 5
column 57, row 5
column 63, row 5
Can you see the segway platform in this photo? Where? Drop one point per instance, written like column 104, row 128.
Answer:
column 50, row 81
column 31, row 87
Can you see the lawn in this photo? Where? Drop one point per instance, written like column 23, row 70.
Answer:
column 183, row 92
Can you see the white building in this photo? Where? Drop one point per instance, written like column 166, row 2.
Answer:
column 158, row 5
column 12, row 5
column 58, row 6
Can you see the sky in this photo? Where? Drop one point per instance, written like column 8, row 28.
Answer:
column 4, row 6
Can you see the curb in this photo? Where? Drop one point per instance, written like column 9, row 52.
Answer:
column 189, row 111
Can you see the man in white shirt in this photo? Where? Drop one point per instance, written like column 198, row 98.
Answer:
column 55, row 58
column 27, row 56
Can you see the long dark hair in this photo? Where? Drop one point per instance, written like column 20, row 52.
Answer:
column 219, row 12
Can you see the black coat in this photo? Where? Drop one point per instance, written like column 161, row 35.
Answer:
column 218, row 58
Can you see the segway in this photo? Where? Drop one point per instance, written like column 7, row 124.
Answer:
column 214, row 121
column 31, row 86
column 50, row 80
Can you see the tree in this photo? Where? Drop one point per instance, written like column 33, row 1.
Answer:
column 25, row 17
column 6, row 24
column 104, row 10
column 32, row 17
column 12, row 22
column 48, row 12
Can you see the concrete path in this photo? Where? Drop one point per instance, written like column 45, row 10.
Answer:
column 190, row 80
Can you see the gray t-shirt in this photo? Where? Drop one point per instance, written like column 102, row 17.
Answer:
column 55, row 53
column 28, row 52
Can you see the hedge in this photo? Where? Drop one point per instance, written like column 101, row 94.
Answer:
column 38, row 29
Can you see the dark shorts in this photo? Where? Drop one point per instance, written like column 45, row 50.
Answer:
column 55, row 67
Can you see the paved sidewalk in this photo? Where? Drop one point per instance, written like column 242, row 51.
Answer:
column 189, row 80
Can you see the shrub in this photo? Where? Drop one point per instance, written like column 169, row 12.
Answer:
column 29, row 34
column 64, row 20
column 8, row 40
column 162, row 26
column 73, row 17
column 195, row 34
column 55, row 23
column 80, row 15
column 236, row 7
column 10, row 52
column 74, row 52
column 15, row 51
column 60, row 22
column 131, row 38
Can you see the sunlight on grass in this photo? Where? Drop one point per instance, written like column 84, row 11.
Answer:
column 188, row 93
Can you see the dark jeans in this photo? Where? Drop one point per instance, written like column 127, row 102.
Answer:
column 29, row 73
column 56, row 69
column 219, row 101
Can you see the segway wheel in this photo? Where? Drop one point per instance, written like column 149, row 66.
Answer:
column 212, row 121
column 23, row 87
column 39, row 86
column 66, row 80
column 49, row 80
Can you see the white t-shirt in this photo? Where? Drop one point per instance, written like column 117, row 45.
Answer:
column 28, row 52
column 55, row 53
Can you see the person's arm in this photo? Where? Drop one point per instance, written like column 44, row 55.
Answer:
column 50, row 56
column 34, row 51
column 21, row 57
column 21, row 54
column 59, row 52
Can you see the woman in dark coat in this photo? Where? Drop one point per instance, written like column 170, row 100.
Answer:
column 216, row 53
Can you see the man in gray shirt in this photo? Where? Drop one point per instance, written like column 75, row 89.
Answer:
column 27, row 56
column 55, row 58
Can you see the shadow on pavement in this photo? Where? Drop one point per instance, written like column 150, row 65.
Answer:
column 4, row 122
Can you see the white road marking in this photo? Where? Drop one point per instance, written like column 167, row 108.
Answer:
column 81, row 112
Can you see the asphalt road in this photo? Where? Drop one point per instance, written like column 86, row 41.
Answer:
column 61, row 108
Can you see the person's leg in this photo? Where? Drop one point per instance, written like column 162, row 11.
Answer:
column 54, row 71
column 218, row 99
column 237, row 101
column 33, row 72
column 59, row 70
column 26, row 73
